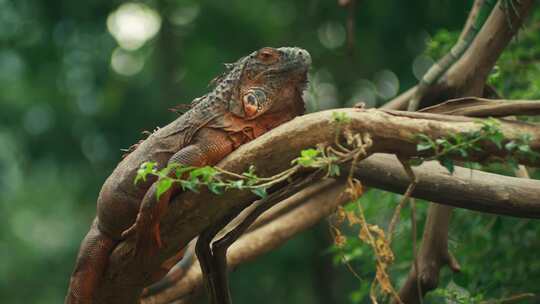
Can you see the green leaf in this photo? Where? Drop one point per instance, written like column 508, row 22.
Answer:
column 309, row 153
column 237, row 184
column 163, row 185
column 512, row 163
column 260, row 192
column 524, row 148
column 510, row 146
column 333, row 170
column 250, row 174
column 143, row 171
column 341, row 117
column 417, row 161
column 457, row 138
column 448, row 164
column 497, row 139
column 216, row 188
column 307, row 157
column 204, row 174
column 441, row 141
column 423, row 146
column 189, row 185
column 180, row 170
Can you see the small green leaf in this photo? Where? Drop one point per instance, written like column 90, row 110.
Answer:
column 250, row 174
column 512, row 163
column 448, row 164
column 423, row 146
column 417, row 161
column 216, row 188
column 307, row 157
column 510, row 146
column 181, row 169
column 341, row 117
column 524, row 148
column 260, row 192
column 189, row 185
column 309, row 153
column 441, row 141
column 497, row 139
column 204, row 174
column 333, row 170
column 143, row 171
column 237, row 184
column 163, row 185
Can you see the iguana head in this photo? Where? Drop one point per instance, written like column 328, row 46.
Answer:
column 269, row 80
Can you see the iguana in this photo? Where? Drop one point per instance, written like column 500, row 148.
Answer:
column 256, row 93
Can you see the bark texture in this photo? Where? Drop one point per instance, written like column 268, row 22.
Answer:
column 392, row 132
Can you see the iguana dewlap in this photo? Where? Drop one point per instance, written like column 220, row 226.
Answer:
column 256, row 93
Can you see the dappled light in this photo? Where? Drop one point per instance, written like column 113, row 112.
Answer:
column 132, row 24
column 126, row 63
column 331, row 35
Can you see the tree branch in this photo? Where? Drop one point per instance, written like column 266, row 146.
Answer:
column 482, row 107
column 465, row 78
column 465, row 188
column 383, row 171
column 190, row 213
column 267, row 237
column 468, row 75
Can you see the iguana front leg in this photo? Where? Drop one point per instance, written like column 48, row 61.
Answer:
column 208, row 148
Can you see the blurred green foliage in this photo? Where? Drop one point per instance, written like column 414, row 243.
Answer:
column 73, row 94
column 497, row 253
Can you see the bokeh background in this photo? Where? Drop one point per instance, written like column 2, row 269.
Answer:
column 80, row 80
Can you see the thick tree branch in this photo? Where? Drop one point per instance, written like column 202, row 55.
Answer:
column 190, row 213
column 464, row 78
column 465, row 188
column 468, row 75
column 482, row 107
column 315, row 206
column 491, row 193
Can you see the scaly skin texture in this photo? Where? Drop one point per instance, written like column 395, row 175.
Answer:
column 256, row 93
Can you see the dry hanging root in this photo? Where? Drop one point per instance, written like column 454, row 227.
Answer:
column 373, row 235
column 370, row 234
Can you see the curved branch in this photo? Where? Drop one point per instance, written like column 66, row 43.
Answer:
column 465, row 188
column 384, row 172
column 266, row 237
column 483, row 107
column 465, row 78
column 190, row 213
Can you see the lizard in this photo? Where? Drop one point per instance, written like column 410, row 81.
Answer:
column 255, row 94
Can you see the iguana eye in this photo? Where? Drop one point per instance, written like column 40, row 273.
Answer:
column 253, row 102
column 250, row 99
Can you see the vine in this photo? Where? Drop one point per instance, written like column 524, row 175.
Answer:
column 462, row 145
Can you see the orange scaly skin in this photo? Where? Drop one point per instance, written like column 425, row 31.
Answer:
column 257, row 93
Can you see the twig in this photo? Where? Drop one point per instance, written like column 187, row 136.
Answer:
column 404, row 199
column 415, row 249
